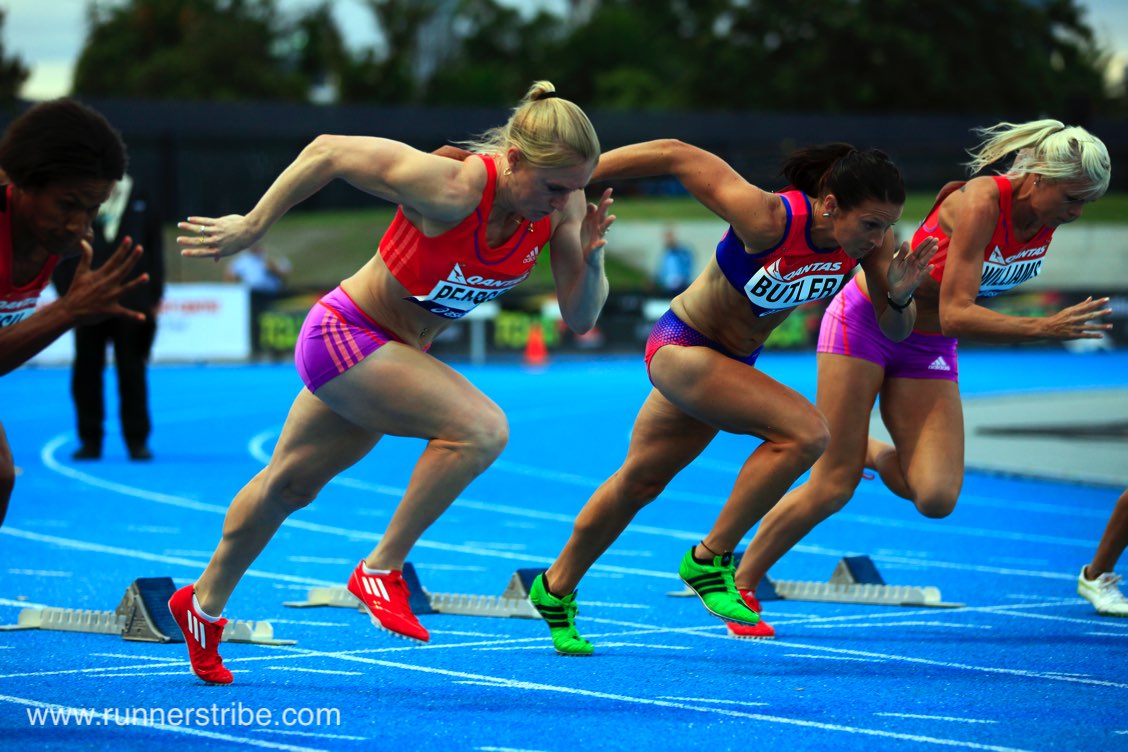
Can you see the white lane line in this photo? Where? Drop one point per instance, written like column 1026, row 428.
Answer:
column 935, row 718
column 132, row 657
column 107, row 719
column 314, row 670
column 809, row 657
column 777, row 643
column 319, row 735
column 153, row 529
column 47, row 455
column 145, row 556
column 602, row 645
column 1092, row 622
column 535, row 686
column 141, row 674
column 962, row 530
column 41, row 572
column 709, row 699
column 901, row 613
column 943, row 624
column 99, row 671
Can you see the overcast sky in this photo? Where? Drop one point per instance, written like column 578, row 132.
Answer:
column 47, row 34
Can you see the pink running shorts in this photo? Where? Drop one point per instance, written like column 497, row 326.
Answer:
column 335, row 336
column 849, row 327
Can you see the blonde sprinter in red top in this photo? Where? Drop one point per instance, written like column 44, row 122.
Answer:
column 993, row 233
column 464, row 233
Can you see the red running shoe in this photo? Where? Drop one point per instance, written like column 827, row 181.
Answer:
column 386, row 598
column 202, row 636
column 761, row 631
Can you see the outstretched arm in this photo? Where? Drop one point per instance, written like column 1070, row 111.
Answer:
column 960, row 313
column 710, row 180
column 437, row 188
column 578, row 250
column 91, row 296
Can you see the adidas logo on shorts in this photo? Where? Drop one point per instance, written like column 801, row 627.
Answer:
column 939, row 364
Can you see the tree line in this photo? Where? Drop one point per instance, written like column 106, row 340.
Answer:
column 1020, row 57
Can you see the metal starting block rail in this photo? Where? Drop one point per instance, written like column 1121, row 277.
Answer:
column 855, row 580
column 512, row 603
column 141, row 616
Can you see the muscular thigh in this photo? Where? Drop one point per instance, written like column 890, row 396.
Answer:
column 925, row 420
column 847, row 390
column 730, row 395
column 7, row 464
column 315, row 445
column 400, row 391
column 664, row 440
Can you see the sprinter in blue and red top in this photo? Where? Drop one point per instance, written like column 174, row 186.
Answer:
column 465, row 232
column 993, row 232
column 781, row 250
column 58, row 162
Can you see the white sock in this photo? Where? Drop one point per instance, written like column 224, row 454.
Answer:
column 201, row 613
column 366, row 570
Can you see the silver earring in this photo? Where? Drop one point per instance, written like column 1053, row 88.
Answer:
column 826, row 214
column 508, row 171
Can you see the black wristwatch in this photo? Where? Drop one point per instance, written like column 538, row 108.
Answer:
column 898, row 307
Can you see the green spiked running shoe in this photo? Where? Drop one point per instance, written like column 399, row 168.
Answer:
column 560, row 613
column 714, row 586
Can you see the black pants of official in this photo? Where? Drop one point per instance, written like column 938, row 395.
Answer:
column 132, row 342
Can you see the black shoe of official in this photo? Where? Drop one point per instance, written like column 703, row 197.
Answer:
column 87, row 452
column 140, row 453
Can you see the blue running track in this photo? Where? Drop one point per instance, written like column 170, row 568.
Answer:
column 1026, row 665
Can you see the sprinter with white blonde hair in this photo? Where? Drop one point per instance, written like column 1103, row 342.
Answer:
column 993, row 232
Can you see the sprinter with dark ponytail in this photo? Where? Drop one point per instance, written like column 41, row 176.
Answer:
column 781, row 250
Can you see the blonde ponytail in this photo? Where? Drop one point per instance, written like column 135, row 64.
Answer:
column 1046, row 147
column 548, row 130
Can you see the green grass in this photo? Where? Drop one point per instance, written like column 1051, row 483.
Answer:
column 325, row 247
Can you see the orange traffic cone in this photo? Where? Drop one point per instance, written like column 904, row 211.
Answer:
column 536, row 354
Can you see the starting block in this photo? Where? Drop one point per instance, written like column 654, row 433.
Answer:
column 855, row 580
column 142, row 616
column 512, row 603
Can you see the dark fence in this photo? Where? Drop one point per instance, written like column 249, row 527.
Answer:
column 217, row 158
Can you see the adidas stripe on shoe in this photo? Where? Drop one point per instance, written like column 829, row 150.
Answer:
column 560, row 615
column 202, row 636
column 385, row 597
column 713, row 584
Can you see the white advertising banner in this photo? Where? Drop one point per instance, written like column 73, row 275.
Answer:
column 197, row 321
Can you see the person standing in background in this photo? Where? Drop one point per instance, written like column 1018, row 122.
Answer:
column 127, row 213
column 258, row 271
column 675, row 267
column 265, row 279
